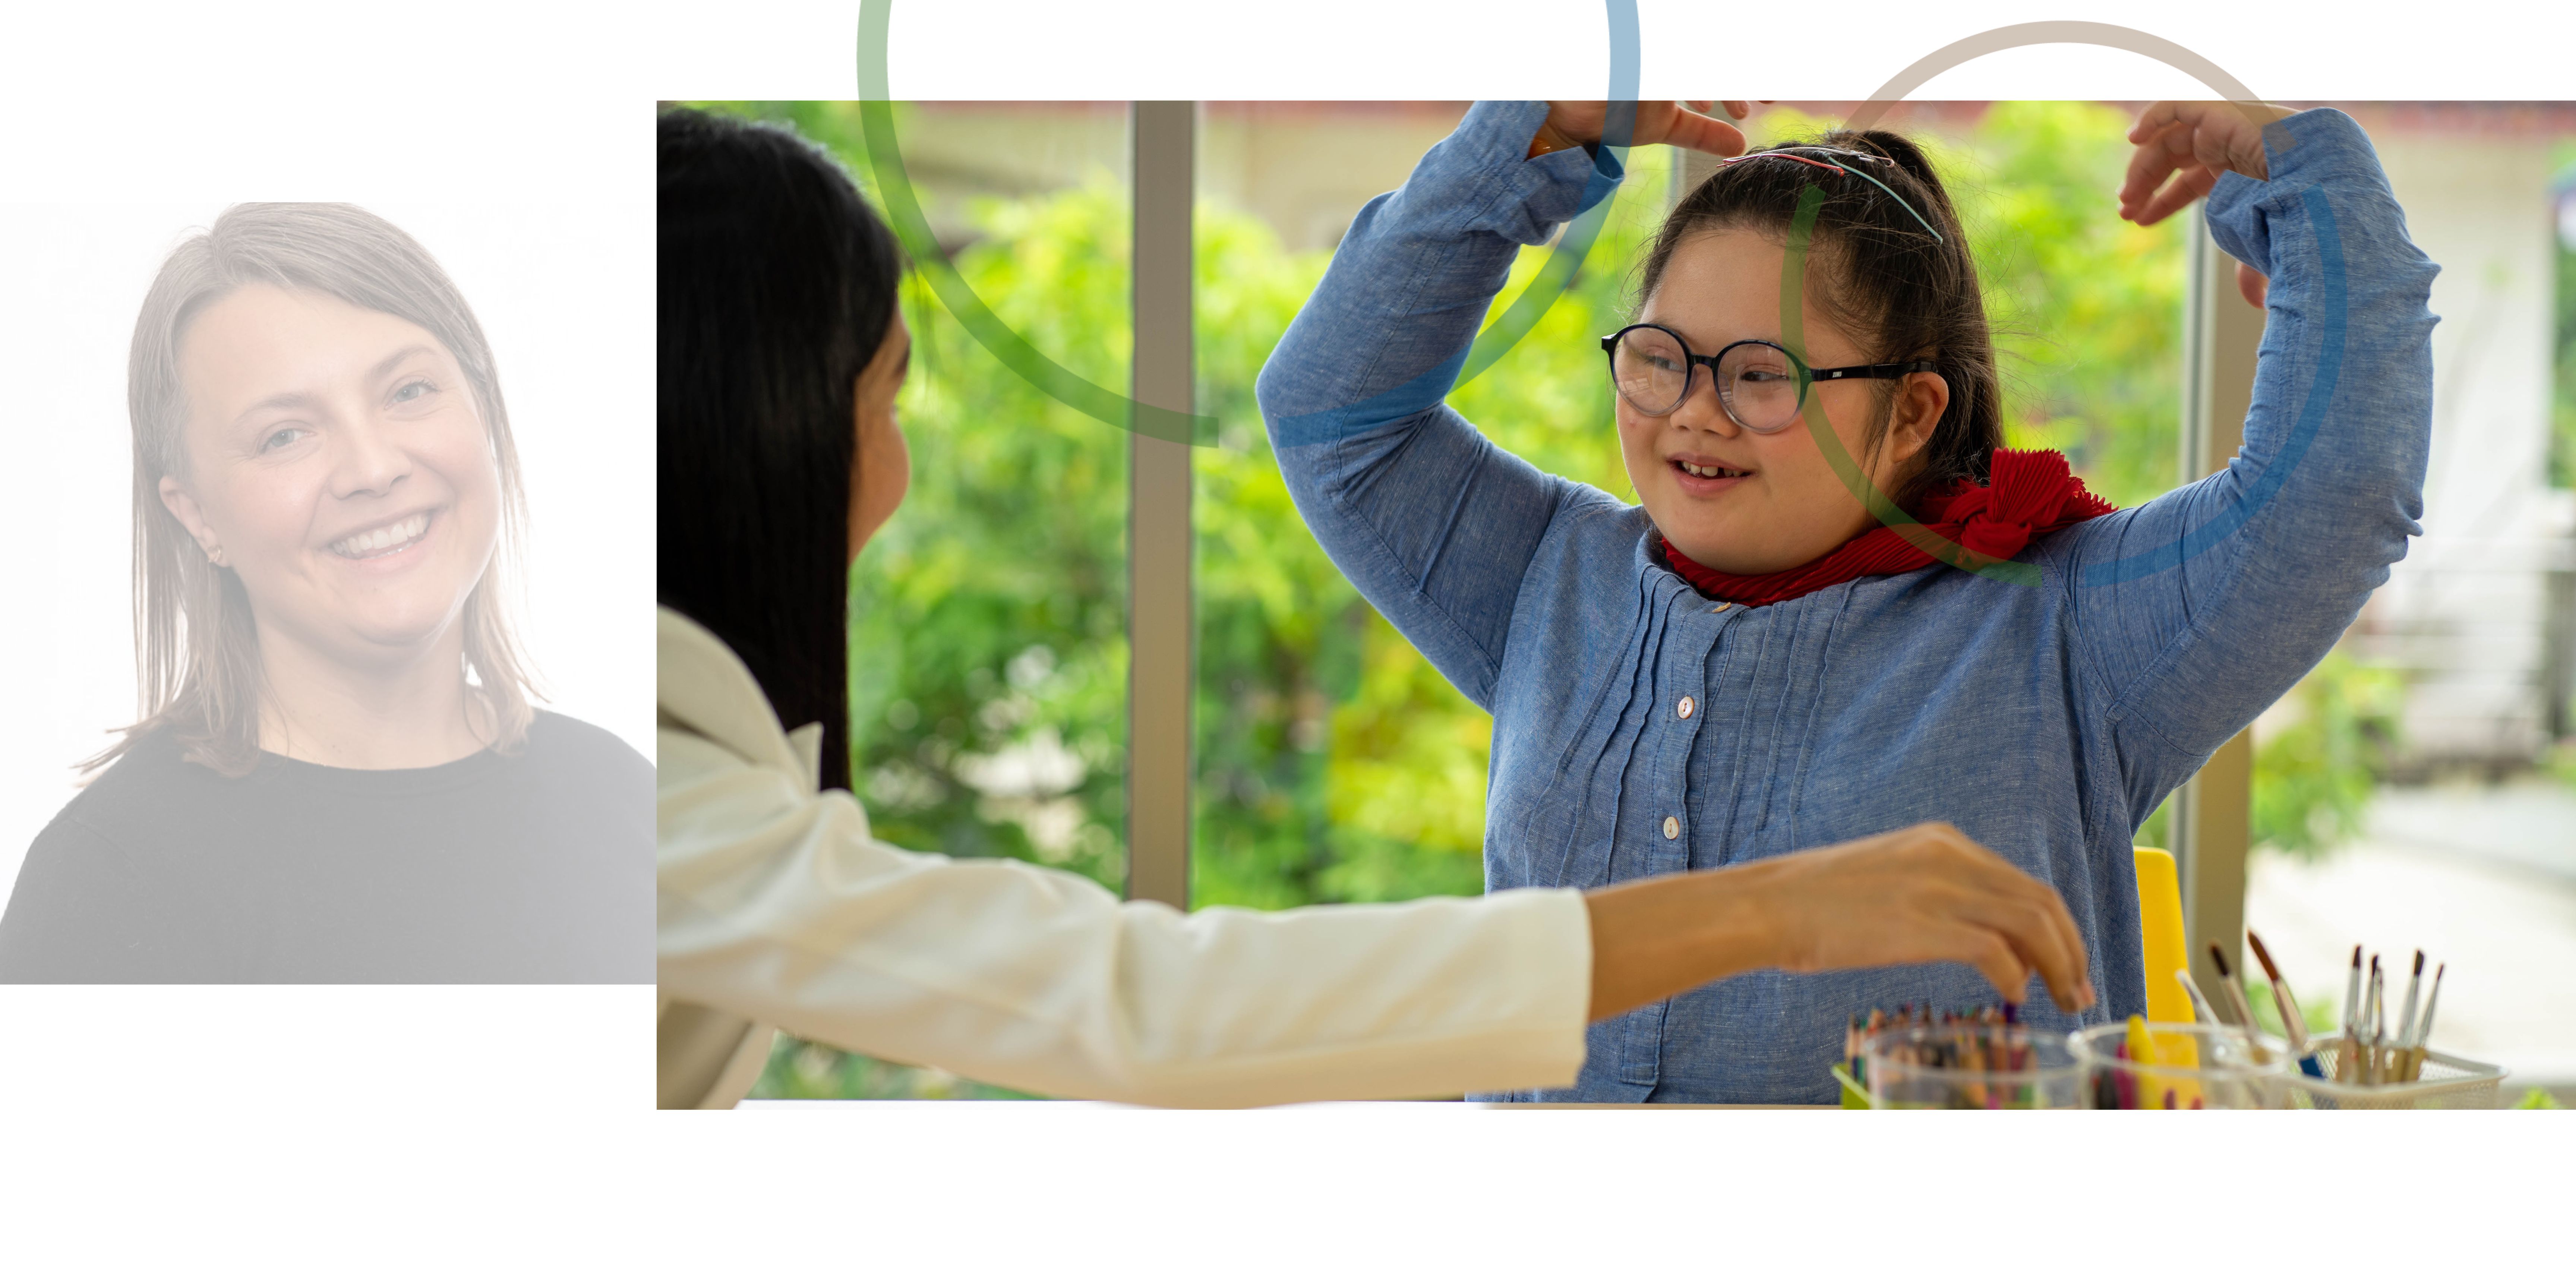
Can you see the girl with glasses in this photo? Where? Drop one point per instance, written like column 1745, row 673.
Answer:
column 1841, row 605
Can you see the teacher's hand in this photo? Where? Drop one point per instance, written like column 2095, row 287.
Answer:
column 2193, row 144
column 1923, row 894
column 1926, row 893
column 1684, row 125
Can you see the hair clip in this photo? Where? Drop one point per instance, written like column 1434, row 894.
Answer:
column 1827, row 149
column 1789, row 152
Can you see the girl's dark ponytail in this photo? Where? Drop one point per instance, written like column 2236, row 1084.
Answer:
column 1902, row 150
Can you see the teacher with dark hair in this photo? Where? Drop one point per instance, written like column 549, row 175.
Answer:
column 781, row 353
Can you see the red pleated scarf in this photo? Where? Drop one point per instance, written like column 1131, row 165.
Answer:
column 2030, row 494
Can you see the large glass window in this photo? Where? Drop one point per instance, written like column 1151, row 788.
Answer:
column 1333, row 763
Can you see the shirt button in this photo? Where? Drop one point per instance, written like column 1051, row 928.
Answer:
column 1685, row 707
column 1672, row 827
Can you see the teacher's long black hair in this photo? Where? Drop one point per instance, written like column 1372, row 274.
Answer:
column 777, row 285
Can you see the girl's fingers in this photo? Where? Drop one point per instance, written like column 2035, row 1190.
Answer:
column 2251, row 283
column 2245, row 153
column 2225, row 136
column 2216, row 146
column 2162, row 116
column 2186, row 188
column 2155, row 118
column 2172, row 151
column 1704, row 134
column 2159, row 154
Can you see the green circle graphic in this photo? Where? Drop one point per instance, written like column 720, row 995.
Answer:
column 903, row 210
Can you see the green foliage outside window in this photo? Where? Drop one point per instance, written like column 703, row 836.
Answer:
column 2562, row 406
column 2320, row 1015
column 2314, row 777
column 1333, row 764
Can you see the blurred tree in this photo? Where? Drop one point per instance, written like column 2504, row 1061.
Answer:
column 2562, row 407
column 2315, row 773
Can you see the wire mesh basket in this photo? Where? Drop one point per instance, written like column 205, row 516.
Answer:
column 2445, row 1082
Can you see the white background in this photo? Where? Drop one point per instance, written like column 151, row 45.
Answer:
column 567, row 314
column 498, row 1135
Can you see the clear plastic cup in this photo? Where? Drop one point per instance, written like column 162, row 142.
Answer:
column 1970, row 1066
column 2221, row 1067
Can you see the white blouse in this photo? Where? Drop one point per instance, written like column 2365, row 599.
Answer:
column 775, row 907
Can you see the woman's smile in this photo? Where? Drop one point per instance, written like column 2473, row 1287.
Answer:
column 380, row 547
column 341, row 468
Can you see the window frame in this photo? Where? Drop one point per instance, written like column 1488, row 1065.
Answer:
column 1161, row 616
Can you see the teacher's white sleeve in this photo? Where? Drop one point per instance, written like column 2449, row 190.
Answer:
column 776, row 903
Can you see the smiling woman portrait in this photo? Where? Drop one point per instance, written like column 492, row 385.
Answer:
column 338, row 774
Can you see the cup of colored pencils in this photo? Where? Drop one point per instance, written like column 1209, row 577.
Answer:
column 2147, row 1064
column 1985, row 1059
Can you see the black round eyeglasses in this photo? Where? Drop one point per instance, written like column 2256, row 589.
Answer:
column 1760, row 384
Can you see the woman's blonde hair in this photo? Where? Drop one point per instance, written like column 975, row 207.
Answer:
column 197, row 655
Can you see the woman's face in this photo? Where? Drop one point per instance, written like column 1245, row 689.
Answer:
column 338, row 465
column 881, row 469
column 1777, row 502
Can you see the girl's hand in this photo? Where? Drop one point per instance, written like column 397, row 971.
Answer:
column 1926, row 893
column 1576, row 124
column 2194, row 143
column 2251, row 282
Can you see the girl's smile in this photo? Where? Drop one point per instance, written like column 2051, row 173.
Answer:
column 1706, row 476
column 1743, row 502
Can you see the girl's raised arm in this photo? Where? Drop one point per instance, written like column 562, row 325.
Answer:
column 2200, row 608
column 1431, row 521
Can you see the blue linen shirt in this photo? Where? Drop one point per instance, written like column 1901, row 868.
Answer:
column 2045, row 721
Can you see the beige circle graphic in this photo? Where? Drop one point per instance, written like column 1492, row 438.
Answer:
column 2104, row 34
